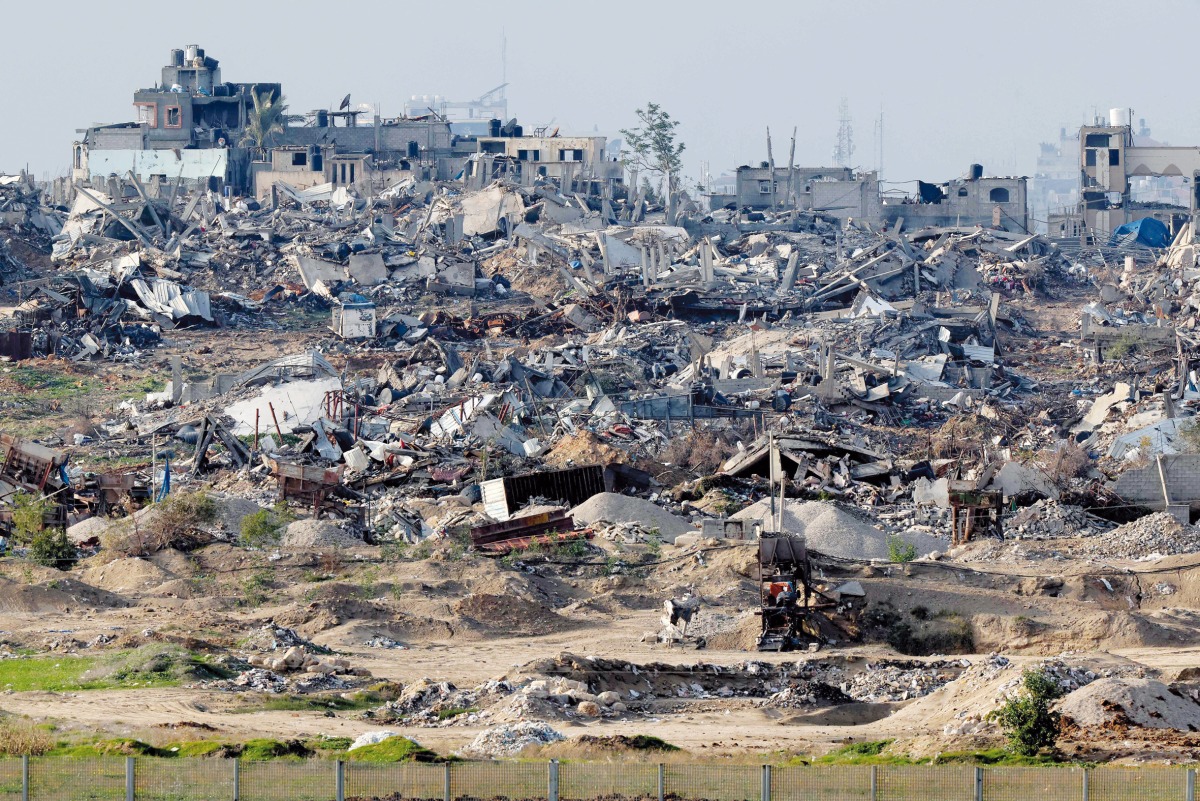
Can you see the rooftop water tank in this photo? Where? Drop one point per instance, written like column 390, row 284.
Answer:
column 1118, row 117
column 191, row 52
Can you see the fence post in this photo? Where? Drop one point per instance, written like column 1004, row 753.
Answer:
column 25, row 777
column 130, row 778
column 662, row 782
column 1086, row 789
column 339, row 780
column 766, row 783
column 552, row 789
column 237, row 780
column 978, row 784
column 446, row 784
column 1191, row 784
column 874, row 782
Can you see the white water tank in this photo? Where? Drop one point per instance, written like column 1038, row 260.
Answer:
column 1118, row 117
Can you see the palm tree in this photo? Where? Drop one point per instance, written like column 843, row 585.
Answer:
column 265, row 122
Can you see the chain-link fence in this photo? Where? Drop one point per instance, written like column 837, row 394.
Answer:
column 129, row 779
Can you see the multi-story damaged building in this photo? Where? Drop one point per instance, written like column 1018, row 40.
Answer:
column 838, row 191
column 187, row 128
column 1117, row 178
column 987, row 201
column 193, row 127
column 574, row 163
column 841, row 192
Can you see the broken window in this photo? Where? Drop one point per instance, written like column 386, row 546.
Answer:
column 1114, row 157
column 764, row 187
column 998, row 195
column 529, row 155
column 1096, row 140
column 962, row 191
column 174, row 117
column 569, row 154
column 147, row 114
column 300, row 159
column 351, row 173
column 1089, row 158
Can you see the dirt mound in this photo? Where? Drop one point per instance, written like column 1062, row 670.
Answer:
column 582, row 449
column 1141, row 703
column 611, row 507
column 126, row 575
column 513, row 616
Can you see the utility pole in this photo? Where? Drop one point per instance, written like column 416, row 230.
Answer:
column 771, row 168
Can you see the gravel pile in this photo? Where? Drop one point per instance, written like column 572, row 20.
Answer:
column 317, row 534
column 511, row 739
column 831, row 530
column 1146, row 703
column 1048, row 519
column 1158, row 534
column 612, row 507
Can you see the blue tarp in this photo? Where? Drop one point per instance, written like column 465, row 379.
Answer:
column 1146, row 231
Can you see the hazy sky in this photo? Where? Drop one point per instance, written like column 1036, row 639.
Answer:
column 958, row 81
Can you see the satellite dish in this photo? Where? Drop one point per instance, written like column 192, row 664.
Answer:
column 345, row 103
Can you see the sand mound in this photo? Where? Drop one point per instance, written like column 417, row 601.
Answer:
column 123, row 575
column 612, row 507
column 835, row 531
column 1145, row 703
column 317, row 534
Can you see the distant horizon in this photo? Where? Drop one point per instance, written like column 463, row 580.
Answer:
column 955, row 86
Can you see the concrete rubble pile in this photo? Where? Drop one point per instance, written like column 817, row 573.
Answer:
column 513, row 350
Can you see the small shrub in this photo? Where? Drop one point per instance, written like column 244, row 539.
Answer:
column 900, row 551
column 264, row 528
column 1190, row 434
column 1027, row 720
column 52, row 548
column 256, row 589
column 29, row 516
column 1070, row 461
column 177, row 522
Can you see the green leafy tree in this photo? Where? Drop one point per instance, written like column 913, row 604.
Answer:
column 266, row 121
column 653, row 144
column 29, row 516
column 1027, row 720
column 52, row 548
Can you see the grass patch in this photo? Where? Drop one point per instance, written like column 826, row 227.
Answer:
column 53, row 674
column 393, row 749
column 196, row 748
column 50, row 385
column 453, row 712
column 155, row 665
column 121, row 746
column 148, row 666
column 265, row 749
column 865, row 753
column 993, row 756
column 301, row 703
